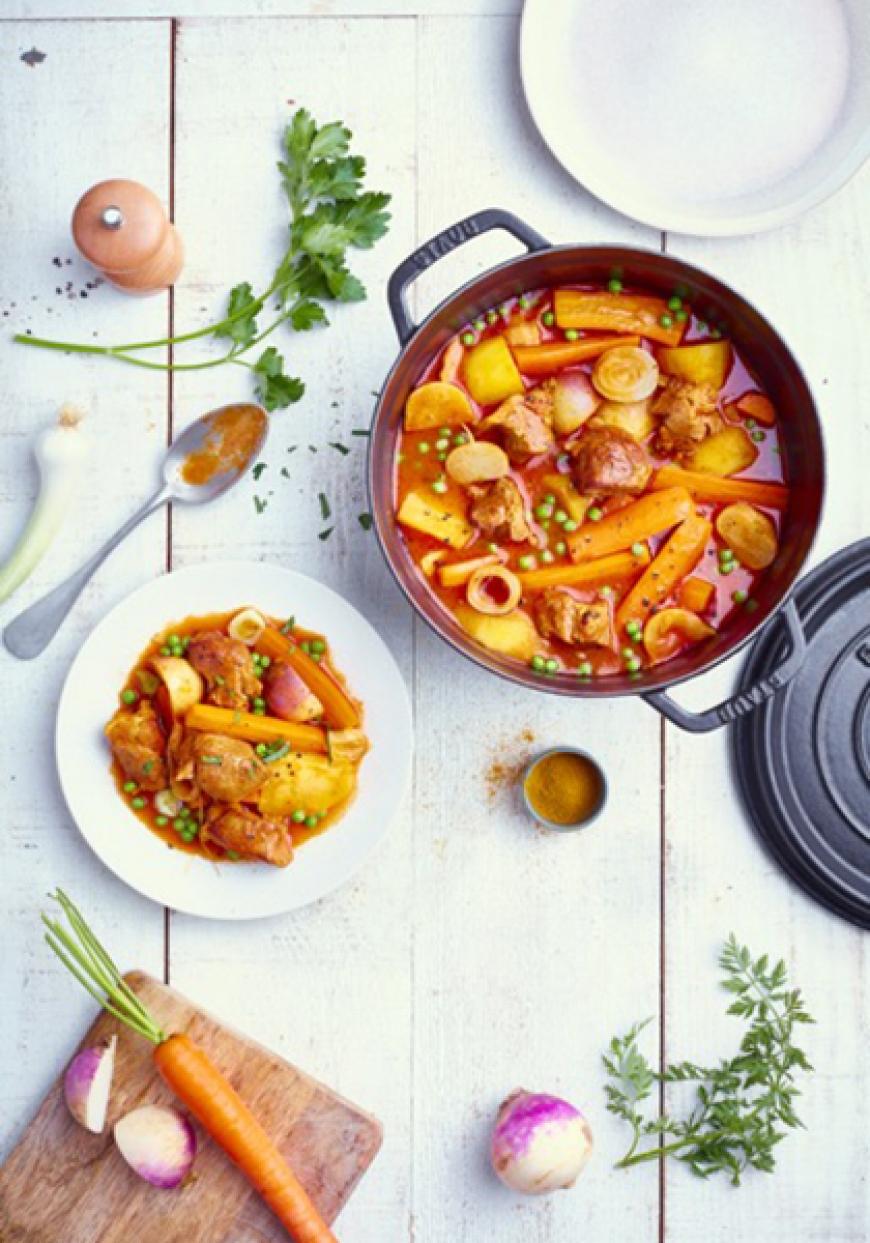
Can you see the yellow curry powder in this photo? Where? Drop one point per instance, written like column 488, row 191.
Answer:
column 564, row 788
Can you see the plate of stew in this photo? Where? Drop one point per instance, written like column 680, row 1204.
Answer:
column 589, row 480
column 233, row 740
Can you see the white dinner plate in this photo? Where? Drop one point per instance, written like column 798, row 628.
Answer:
column 181, row 880
column 702, row 116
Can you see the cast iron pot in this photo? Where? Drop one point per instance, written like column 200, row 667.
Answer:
column 759, row 343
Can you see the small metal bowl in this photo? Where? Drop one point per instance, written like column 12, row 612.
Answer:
column 591, row 815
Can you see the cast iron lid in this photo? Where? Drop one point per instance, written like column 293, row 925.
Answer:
column 802, row 759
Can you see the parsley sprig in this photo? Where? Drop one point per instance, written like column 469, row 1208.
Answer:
column 744, row 1105
column 330, row 214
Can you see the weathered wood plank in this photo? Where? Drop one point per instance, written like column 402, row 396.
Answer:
column 96, row 106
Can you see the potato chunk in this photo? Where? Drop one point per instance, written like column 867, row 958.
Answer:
column 706, row 363
column 513, row 634
column 749, row 533
column 490, row 372
column 311, row 781
column 724, row 453
column 427, row 515
column 478, row 461
column 437, row 404
column 632, row 416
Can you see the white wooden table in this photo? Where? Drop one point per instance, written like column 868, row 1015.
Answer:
column 472, row 955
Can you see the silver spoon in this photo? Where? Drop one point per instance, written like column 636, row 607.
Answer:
column 31, row 631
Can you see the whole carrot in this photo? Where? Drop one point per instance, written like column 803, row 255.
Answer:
column 193, row 1077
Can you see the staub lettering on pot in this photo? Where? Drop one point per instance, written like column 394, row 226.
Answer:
column 445, row 242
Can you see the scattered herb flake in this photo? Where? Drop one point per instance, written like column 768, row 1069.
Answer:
column 288, row 625
column 285, row 472
column 361, row 431
column 325, row 511
column 292, row 448
column 312, row 448
column 339, row 447
column 212, row 759
column 365, row 521
column 258, row 470
column 326, row 534
column 260, row 504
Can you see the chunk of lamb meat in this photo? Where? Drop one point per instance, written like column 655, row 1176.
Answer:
column 249, row 835
column 525, row 433
column 689, row 413
column 500, row 512
column 560, row 615
column 227, row 667
column 138, row 745
column 226, row 769
column 607, row 461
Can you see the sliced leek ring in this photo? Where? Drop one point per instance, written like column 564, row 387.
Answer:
column 625, row 373
column 494, row 590
column 247, row 626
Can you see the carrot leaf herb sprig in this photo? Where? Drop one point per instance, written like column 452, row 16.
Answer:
column 330, row 214
column 744, row 1105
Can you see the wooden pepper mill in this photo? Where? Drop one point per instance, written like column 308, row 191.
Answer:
column 121, row 228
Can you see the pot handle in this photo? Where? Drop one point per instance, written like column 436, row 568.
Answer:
column 439, row 246
column 746, row 701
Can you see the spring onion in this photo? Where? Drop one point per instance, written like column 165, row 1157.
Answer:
column 60, row 452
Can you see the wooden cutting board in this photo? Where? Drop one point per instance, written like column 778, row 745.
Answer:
column 63, row 1185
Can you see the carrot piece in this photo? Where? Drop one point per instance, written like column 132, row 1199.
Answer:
column 651, row 513
column 757, row 406
column 617, row 312
column 212, row 720
column 196, row 1081
column 696, row 594
column 542, row 359
column 722, row 491
column 674, row 560
column 338, row 707
column 602, row 570
column 459, row 572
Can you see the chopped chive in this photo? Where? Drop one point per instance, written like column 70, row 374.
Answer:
column 361, row 431
column 288, row 625
column 339, row 447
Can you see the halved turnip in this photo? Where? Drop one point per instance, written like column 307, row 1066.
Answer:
column 574, row 401
column 182, row 682
column 288, row 696
column 478, row 461
column 88, row 1083
column 158, row 1143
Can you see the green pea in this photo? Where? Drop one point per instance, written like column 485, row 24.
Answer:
column 547, row 556
column 468, row 338
column 443, row 431
column 526, row 562
column 492, row 317
column 311, row 822
column 569, row 525
column 317, row 657
column 161, row 821
column 633, row 665
column 551, row 665
column 537, row 663
column 525, row 301
column 306, row 646
column 492, row 548
column 637, row 550
column 423, row 446
column 298, row 816
column 441, row 457
column 265, row 661
column 666, row 321
column 584, row 669
column 681, row 316
column 739, row 597
column 627, row 653
column 594, row 514
column 442, row 444
column 544, row 511
column 178, row 824
column 187, row 838
column 548, row 319
column 614, row 285
column 258, row 702
column 460, row 439
column 173, row 638
column 318, row 645
column 571, row 334
column 130, row 787
column 758, row 437
column 548, row 499
column 561, row 548
column 261, row 748
column 165, row 651
column 129, row 697
column 479, row 325
column 560, row 516
column 193, row 828
column 440, row 485
column 258, row 711
column 605, row 592
column 675, row 303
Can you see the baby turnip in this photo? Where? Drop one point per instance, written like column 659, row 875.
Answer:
column 87, row 1084
column 540, row 1143
column 288, row 696
column 158, row 1143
